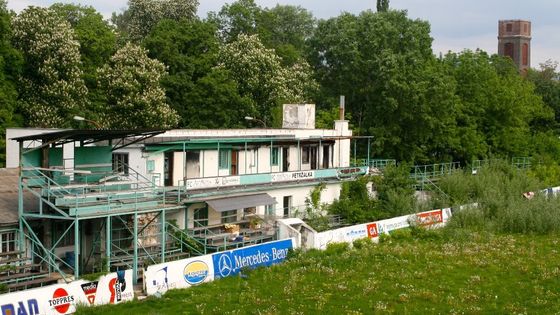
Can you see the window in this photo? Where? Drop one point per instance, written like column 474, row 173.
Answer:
column 509, row 27
column 224, row 159
column 525, row 54
column 270, row 209
column 7, row 242
column 200, row 217
column 508, row 50
column 305, row 154
column 274, row 156
column 120, row 163
column 150, row 165
column 229, row 216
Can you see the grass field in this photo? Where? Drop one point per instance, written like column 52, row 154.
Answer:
column 448, row 271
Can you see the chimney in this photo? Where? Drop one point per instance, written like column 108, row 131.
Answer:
column 341, row 108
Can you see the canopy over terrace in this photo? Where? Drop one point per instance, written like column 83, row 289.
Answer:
column 72, row 179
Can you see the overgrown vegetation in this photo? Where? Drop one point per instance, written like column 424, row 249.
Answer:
column 409, row 272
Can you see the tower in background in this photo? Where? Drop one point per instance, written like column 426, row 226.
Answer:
column 514, row 41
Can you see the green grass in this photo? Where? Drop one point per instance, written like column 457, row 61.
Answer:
column 448, row 271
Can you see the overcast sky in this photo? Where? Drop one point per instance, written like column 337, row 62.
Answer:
column 456, row 24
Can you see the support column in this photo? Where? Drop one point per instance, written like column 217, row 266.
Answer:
column 135, row 260
column 163, row 235
column 368, row 149
column 76, row 248
column 299, row 156
column 108, row 242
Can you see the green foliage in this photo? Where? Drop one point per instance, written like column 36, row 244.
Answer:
column 10, row 67
column 97, row 44
column 382, row 5
column 262, row 78
column 464, row 273
column 51, row 86
column 547, row 85
column 399, row 94
column 236, row 18
column 203, row 95
column 355, row 205
column 131, row 82
column 335, row 249
column 395, row 190
column 141, row 16
column 363, row 243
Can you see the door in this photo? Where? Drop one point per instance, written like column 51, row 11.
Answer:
column 287, row 204
column 313, row 157
column 326, row 158
column 234, row 162
column 285, row 159
column 168, row 169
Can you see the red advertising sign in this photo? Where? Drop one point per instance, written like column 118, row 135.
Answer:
column 372, row 230
column 61, row 300
column 431, row 217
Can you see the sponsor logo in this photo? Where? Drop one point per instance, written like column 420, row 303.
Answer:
column 90, row 290
column 31, row 308
column 372, row 230
column 356, row 233
column 229, row 263
column 161, row 282
column 225, row 265
column 298, row 175
column 349, row 171
column 196, row 272
column 61, row 301
column 117, row 286
column 429, row 218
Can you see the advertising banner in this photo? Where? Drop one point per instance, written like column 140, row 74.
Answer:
column 62, row 298
column 178, row 274
column 231, row 262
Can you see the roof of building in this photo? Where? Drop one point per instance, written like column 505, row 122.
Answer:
column 86, row 136
column 9, row 197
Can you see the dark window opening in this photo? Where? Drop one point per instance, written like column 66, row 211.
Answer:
column 120, row 163
column 509, row 27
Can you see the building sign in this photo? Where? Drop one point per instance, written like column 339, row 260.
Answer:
column 292, row 176
column 210, row 182
column 231, row 262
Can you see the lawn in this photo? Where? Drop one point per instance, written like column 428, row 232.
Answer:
column 448, row 271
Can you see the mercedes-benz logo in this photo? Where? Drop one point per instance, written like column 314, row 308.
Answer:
column 225, row 266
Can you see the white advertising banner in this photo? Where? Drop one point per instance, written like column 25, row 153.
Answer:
column 433, row 218
column 178, row 274
column 62, row 298
column 210, row 182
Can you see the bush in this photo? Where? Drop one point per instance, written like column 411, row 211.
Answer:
column 363, row 243
column 336, row 248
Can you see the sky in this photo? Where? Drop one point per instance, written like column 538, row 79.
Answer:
column 456, row 24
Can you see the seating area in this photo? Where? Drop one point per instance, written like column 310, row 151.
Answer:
column 233, row 235
column 18, row 272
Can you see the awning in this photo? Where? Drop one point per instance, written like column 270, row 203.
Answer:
column 240, row 202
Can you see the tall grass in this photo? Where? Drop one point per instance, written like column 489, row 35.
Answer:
column 498, row 189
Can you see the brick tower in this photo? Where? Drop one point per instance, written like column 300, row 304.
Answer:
column 514, row 41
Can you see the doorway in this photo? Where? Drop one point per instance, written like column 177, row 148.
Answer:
column 168, row 169
column 313, row 158
column 326, row 157
column 234, row 162
column 285, row 159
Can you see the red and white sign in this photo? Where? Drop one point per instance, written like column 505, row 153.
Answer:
column 90, row 290
column 61, row 301
column 430, row 217
column 372, row 230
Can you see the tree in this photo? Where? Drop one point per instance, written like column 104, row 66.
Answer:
column 203, row 95
column 382, row 5
column 239, row 17
column 10, row 66
column 97, row 44
column 142, row 16
column 285, row 28
column 547, row 85
column 261, row 76
column 135, row 99
column 394, row 87
column 497, row 106
column 51, row 87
